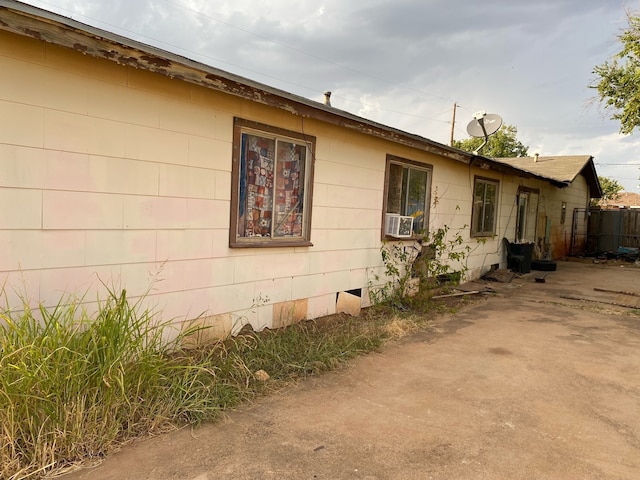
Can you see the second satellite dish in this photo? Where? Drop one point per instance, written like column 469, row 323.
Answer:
column 484, row 124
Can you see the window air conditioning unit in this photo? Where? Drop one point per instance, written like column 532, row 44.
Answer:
column 399, row 226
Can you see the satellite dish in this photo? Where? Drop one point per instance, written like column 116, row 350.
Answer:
column 484, row 125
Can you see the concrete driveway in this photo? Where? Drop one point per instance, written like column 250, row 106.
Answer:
column 524, row 384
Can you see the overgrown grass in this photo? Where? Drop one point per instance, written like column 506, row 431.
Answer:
column 308, row 347
column 74, row 387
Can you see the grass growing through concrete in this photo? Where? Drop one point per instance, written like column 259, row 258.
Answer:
column 73, row 387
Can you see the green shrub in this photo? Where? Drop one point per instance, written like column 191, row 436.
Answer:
column 435, row 260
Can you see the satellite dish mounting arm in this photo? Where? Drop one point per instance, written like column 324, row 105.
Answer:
column 486, row 135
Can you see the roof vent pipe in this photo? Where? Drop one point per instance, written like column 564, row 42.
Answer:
column 327, row 99
column 535, row 157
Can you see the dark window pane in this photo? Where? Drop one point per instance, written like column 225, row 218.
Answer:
column 489, row 208
column 416, row 197
column 289, row 190
column 478, row 204
column 394, row 190
column 483, row 216
column 255, row 206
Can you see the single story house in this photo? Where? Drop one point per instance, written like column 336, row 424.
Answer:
column 220, row 198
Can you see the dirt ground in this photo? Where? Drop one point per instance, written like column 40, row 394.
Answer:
column 523, row 384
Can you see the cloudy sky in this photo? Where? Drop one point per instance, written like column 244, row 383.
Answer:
column 405, row 63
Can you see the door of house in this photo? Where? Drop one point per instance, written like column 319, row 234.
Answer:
column 521, row 217
column 527, row 215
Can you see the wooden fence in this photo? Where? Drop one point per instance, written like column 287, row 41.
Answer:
column 608, row 231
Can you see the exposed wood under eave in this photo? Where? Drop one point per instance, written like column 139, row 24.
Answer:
column 52, row 28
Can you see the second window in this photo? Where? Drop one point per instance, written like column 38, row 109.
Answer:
column 485, row 202
column 408, row 188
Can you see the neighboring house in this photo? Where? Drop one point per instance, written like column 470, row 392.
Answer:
column 555, row 219
column 622, row 200
column 219, row 197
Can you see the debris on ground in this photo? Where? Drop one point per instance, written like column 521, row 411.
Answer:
column 621, row 292
column 475, row 285
column 458, row 294
column 501, row 275
column 595, row 300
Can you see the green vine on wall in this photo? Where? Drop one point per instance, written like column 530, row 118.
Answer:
column 434, row 260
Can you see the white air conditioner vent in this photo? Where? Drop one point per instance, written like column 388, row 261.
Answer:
column 399, row 226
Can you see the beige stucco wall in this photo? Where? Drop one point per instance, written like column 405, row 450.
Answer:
column 116, row 175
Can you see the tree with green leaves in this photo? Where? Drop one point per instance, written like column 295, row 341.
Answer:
column 618, row 80
column 501, row 144
column 610, row 189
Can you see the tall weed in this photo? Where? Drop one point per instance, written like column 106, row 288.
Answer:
column 71, row 386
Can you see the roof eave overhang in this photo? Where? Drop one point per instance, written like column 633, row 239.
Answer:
column 40, row 24
column 489, row 164
column 590, row 174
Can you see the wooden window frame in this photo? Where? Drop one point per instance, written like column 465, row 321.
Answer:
column 240, row 127
column 392, row 159
column 484, row 233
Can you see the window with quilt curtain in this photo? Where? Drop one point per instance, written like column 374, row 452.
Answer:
column 271, row 199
